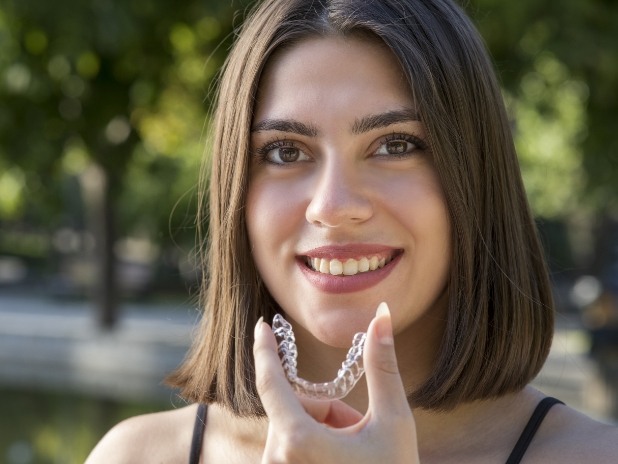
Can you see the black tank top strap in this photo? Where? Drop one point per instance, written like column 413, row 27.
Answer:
column 198, row 434
column 531, row 428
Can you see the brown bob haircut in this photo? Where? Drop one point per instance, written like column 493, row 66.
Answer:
column 500, row 316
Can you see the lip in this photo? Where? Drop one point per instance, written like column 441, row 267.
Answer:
column 353, row 251
column 347, row 284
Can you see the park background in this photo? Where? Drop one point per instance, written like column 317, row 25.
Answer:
column 104, row 107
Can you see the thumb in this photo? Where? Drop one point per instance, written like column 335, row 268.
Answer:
column 387, row 397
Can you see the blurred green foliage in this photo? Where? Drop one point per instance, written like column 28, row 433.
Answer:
column 558, row 61
column 121, row 86
column 51, row 428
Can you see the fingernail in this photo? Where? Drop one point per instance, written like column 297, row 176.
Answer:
column 258, row 325
column 384, row 329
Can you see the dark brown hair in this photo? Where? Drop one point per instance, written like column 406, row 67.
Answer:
column 500, row 316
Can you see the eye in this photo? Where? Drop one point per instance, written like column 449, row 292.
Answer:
column 398, row 145
column 281, row 152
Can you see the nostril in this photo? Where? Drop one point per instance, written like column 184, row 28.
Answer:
column 338, row 206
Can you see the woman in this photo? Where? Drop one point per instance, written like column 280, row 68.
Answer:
column 362, row 154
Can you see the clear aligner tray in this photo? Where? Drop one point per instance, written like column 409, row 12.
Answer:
column 351, row 369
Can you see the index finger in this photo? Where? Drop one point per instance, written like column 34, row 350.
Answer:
column 278, row 397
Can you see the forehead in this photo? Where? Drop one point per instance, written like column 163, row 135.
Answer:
column 332, row 72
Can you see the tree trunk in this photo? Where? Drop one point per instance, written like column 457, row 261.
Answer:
column 98, row 196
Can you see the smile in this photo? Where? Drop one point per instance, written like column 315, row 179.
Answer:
column 347, row 266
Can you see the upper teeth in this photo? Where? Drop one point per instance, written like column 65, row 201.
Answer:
column 348, row 267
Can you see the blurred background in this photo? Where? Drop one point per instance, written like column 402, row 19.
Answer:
column 104, row 106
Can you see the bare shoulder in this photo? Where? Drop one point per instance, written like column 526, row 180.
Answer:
column 166, row 435
column 570, row 436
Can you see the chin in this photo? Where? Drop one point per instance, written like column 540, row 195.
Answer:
column 335, row 328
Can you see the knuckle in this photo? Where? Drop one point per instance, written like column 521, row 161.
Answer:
column 293, row 446
column 296, row 445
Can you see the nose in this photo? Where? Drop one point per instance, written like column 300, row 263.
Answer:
column 340, row 197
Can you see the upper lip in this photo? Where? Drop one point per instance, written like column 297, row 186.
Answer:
column 352, row 251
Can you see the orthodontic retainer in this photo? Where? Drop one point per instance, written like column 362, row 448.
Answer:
column 351, row 369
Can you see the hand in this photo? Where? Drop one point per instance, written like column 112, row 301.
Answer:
column 308, row 431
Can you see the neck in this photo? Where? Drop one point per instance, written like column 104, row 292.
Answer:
column 480, row 428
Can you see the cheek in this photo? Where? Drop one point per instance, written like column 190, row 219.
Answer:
column 421, row 207
column 274, row 221
column 433, row 226
column 256, row 214
column 272, row 213
column 437, row 231
column 418, row 200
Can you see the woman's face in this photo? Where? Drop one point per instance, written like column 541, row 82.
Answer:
column 344, row 206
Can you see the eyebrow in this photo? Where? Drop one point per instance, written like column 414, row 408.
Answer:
column 285, row 125
column 378, row 121
column 362, row 125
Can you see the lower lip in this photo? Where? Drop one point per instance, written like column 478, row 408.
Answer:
column 346, row 284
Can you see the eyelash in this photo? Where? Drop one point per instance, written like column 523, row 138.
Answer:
column 263, row 151
column 276, row 143
column 419, row 143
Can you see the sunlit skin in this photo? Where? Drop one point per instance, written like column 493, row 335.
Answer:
column 341, row 166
